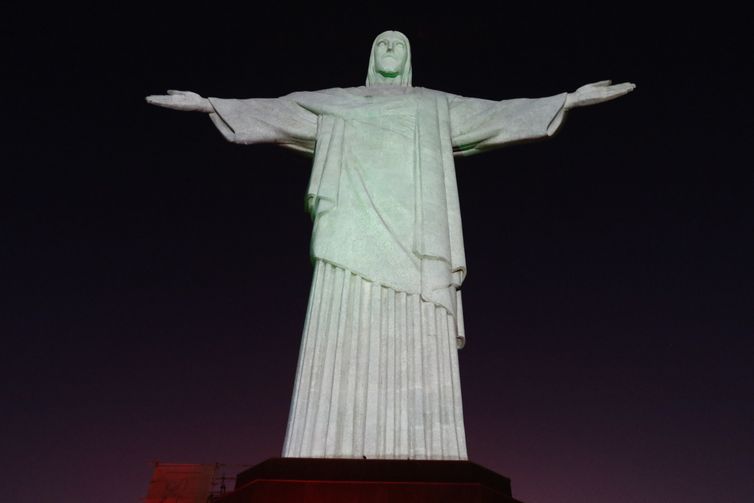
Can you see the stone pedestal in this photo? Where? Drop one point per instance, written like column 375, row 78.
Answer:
column 284, row 480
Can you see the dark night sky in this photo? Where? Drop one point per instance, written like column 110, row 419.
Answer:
column 610, row 300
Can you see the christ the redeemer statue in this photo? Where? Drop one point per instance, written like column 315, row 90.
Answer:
column 377, row 374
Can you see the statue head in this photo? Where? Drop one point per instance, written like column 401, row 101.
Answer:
column 390, row 60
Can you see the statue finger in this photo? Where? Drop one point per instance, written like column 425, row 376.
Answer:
column 601, row 83
column 155, row 99
column 161, row 100
column 630, row 86
column 594, row 85
column 175, row 91
column 613, row 92
column 621, row 89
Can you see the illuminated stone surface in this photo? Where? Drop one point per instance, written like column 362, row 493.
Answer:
column 378, row 370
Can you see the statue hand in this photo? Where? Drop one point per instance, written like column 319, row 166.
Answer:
column 597, row 92
column 181, row 100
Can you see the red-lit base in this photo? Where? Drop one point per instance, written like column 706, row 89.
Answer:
column 283, row 480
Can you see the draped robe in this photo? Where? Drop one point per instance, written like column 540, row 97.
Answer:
column 378, row 369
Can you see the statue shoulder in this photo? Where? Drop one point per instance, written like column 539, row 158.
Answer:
column 333, row 91
column 435, row 93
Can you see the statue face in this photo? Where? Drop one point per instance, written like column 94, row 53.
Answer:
column 390, row 53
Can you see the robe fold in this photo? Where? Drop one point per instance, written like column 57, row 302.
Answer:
column 387, row 226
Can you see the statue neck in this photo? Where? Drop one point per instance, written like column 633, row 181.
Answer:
column 388, row 79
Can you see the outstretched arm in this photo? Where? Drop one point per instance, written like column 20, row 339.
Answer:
column 597, row 92
column 258, row 120
column 478, row 125
column 181, row 100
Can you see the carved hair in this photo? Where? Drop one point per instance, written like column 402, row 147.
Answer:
column 405, row 75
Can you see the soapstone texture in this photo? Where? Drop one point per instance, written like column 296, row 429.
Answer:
column 378, row 375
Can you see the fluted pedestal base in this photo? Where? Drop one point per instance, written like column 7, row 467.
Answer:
column 377, row 375
column 283, row 480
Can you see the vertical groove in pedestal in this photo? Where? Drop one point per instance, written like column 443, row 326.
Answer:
column 402, row 358
column 377, row 375
column 362, row 336
column 417, row 389
column 346, row 433
column 390, row 384
column 330, row 421
column 314, row 391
